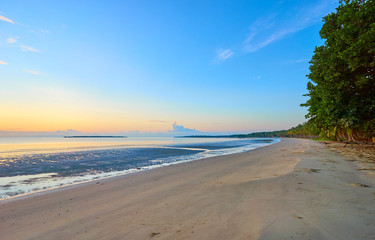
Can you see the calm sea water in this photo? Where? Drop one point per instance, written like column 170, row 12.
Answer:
column 34, row 164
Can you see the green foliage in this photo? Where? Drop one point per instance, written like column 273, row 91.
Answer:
column 306, row 130
column 342, row 74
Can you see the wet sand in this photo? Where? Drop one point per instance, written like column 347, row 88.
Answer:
column 295, row 189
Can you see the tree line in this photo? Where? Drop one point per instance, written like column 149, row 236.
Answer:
column 341, row 87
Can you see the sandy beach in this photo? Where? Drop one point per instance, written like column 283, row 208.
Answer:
column 295, row 189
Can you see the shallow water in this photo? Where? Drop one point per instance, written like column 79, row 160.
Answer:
column 29, row 164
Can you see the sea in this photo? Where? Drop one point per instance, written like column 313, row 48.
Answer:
column 29, row 165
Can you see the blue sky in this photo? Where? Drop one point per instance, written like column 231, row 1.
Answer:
column 119, row 66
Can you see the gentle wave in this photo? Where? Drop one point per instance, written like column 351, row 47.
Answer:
column 31, row 172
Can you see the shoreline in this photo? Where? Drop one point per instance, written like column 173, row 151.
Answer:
column 115, row 174
column 294, row 188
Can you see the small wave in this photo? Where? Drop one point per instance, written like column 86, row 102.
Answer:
column 38, row 172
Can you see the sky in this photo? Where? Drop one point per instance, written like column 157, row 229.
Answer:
column 156, row 66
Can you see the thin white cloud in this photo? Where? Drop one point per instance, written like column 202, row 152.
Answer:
column 3, row 63
column 6, row 19
column 301, row 60
column 259, row 25
column 222, row 55
column 253, row 46
column 265, row 31
column 44, row 31
column 34, row 72
column 40, row 32
column 11, row 40
column 28, row 49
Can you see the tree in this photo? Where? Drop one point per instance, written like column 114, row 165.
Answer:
column 342, row 74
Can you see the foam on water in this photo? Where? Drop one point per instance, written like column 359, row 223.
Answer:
column 32, row 171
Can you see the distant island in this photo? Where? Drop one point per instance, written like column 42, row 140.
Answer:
column 95, row 137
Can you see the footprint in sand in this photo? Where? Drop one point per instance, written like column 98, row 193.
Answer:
column 309, row 170
column 359, row 185
column 154, row 234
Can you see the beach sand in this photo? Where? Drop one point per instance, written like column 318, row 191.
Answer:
column 295, row 189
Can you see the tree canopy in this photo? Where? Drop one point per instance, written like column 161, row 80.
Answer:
column 342, row 72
